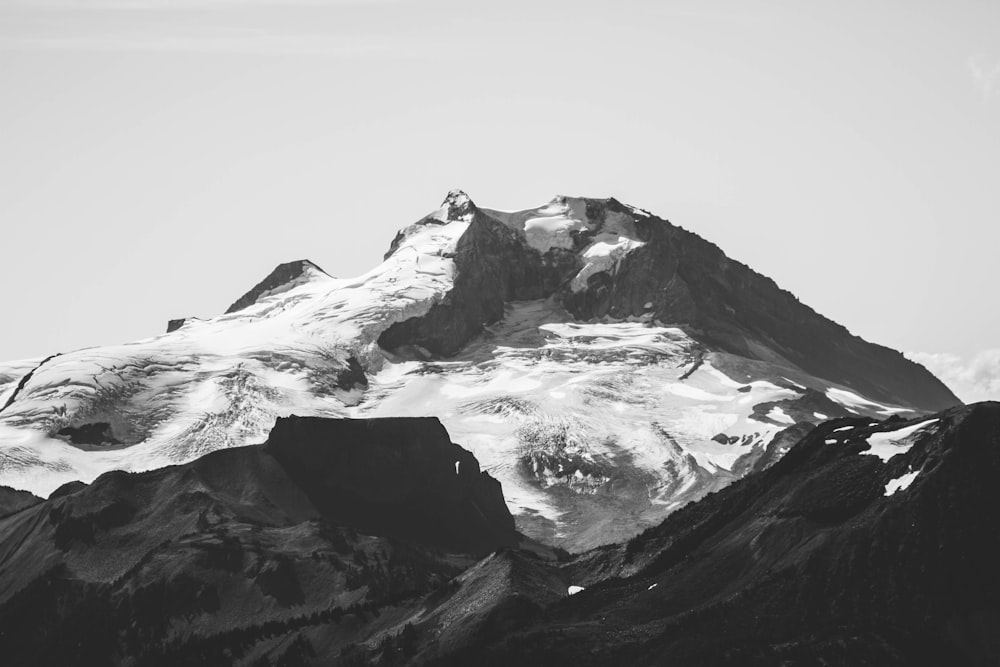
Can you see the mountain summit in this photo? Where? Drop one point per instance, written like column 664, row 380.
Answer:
column 604, row 364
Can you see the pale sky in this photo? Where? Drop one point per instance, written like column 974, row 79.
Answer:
column 158, row 158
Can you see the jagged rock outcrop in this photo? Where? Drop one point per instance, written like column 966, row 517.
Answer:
column 401, row 477
column 283, row 277
column 493, row 266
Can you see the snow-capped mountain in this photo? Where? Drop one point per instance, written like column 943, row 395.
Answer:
column 605, row 365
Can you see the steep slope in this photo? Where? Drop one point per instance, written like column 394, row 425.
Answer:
column 868, row 543
column 327, row 523
column 605, row 365
column 12, row 500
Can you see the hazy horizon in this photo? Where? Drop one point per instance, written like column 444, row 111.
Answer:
column 159, row 158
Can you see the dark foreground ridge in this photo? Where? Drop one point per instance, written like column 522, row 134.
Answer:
column 399, row 476
column 812, row 561
column 13, row 500
column 329, row 519
column 360, row 542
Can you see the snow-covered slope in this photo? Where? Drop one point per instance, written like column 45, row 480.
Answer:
column 599, row 418
column 220, row 382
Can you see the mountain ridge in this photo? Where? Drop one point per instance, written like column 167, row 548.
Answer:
column 823, row 555
column 826, row 555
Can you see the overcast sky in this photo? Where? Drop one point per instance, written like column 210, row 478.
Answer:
column 157, row 158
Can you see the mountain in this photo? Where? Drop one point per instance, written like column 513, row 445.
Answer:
column 323, row 523
column 869, row 543
column 378, row 542
column 606, row 366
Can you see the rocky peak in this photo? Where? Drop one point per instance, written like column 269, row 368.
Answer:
column 282, row 278
column 457, row 206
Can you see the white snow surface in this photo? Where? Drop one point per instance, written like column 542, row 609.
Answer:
column 573, row 590
column 779, row 415
column 11, row 373
column 607, row 387
column 853, row 402
column 886, row 444
column 220, row 382
column 900, row 483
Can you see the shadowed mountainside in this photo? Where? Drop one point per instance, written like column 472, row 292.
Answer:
column 327, row 521
column 868, row 543
column 853, row 549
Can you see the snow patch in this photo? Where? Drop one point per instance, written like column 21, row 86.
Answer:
column 780, row 416
column 853, row 402
column 603, row 255
column 900, row 483
column 573, row 590
column 887, row 444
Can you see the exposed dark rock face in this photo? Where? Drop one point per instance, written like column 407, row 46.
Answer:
column 493, row 265
column 782, row 442
column 399, row 477
column 282, row 275
column 98, row 433
column 174, row 325
column 730, row 307
column 353, row 377
column 810, row 561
